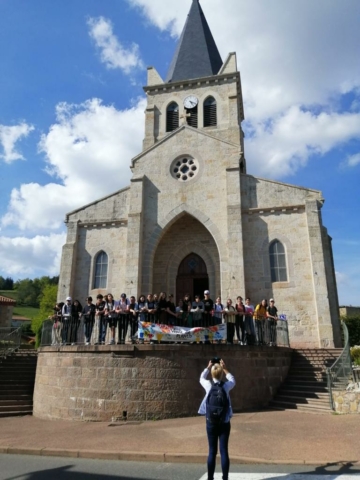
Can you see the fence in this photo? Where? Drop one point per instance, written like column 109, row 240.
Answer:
column 123, row 328
column 340, row 373
column 10, row 339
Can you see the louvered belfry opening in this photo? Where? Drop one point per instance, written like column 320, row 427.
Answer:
column 192, row 118
column 172, row 117
column 210, row 112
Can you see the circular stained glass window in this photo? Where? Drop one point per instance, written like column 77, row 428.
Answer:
column 184, row 168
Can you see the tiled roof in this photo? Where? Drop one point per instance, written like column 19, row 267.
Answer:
column 7, row 301
column 197, row 54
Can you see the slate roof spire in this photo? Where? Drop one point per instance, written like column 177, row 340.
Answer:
column 196, row 55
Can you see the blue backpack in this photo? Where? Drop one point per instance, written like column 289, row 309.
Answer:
column 217, row 404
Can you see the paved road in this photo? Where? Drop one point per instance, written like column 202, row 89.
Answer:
column 22, row 467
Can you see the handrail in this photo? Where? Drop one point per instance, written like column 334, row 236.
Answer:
column 339, row 374
column 10, row 340
column 79, row 331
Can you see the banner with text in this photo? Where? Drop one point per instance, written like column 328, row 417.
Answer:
column 168, row 333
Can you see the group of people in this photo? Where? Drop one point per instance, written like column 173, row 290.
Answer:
column 115, row 321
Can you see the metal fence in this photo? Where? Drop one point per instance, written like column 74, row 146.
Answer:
column 341, row 372
column 123, row 328
column 10, row 339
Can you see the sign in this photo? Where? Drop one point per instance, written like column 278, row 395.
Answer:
column 168, row 333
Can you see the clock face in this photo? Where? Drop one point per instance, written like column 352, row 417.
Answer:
column 190, row 102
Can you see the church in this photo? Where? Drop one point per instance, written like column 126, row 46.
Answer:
column 193, row 219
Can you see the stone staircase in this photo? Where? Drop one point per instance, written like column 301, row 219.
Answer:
column 17, row 378
column 305, row 387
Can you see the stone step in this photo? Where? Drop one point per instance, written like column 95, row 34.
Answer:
column 16, row 413
column 17, row 381
column 304, row 381
column 17, row 390
column 302, row 400
column 15, row 401
column 295, row 406
column 302, row 393
column 27, row 397
column 16, row 408
column 301, row 409
column 305, row 389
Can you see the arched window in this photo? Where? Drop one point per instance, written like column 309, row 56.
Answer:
column 101, row 270
column 172, row 117
column 210, row 113
column 278, row 262
column 192, row 116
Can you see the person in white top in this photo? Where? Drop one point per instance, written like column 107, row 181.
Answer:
column 217, row 432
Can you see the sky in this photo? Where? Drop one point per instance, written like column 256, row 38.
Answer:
column 72, row 109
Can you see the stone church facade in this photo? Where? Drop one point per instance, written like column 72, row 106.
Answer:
column 192, row 218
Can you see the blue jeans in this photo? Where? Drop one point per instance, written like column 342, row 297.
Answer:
column 218, row 433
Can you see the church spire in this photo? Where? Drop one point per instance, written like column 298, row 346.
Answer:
column 196, row 55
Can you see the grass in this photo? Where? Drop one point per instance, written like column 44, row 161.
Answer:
column 9, row 294
column 28, row 312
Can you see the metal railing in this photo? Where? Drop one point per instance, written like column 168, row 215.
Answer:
column 10, row 339
column 123, row 327
column 340, row 373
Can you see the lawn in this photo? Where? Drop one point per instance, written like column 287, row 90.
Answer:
column 9, row 294
column 28, row 312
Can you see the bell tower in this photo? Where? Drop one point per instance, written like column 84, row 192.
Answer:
column 200, row 90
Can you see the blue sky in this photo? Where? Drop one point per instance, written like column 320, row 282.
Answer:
column 71, row 109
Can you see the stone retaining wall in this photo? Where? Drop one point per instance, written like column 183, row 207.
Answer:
column 347, row 402
column 149, row 381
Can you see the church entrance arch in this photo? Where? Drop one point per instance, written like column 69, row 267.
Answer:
column 192, row 277
column 184, row 238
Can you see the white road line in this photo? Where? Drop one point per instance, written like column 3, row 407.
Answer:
column 283, row 476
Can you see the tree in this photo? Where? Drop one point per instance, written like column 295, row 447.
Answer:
column 9, row 283
column 47, row 302
column 6, row 283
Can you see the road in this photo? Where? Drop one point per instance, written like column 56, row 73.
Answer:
column 22, row 467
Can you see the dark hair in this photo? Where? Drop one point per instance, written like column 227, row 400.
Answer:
column 99, row 296
column 89, row 299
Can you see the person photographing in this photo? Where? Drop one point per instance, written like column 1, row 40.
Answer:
column 216, row 406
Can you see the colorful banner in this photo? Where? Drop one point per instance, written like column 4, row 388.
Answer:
column 168, row 333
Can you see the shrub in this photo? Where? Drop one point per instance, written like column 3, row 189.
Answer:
column 353, row 325
column 355, row 355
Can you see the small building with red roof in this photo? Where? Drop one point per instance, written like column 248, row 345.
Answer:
column 6, row 309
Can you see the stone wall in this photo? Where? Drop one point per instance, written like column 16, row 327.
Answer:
column 6, row 315
column 347, row 402
column 148, row 382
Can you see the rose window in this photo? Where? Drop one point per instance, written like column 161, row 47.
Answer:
column 184, row 169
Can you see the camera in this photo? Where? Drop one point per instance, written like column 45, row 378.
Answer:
column 215, row 360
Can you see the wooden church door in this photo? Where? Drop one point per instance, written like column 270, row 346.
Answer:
column 192, row 277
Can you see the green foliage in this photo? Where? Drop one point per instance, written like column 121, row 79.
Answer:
column 353, row 325
column 29, row 291
column 355, row 355
column 6, row 283
column 47, row 303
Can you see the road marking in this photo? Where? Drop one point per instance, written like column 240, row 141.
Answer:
column 283, row 476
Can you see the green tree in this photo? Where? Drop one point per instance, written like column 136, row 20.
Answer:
column 9, row 283
column 47, row 301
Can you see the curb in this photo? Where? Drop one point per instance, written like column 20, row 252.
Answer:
column 158, row 457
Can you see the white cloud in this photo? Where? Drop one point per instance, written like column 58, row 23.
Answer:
column 9, row 136
column 289, row 52
column 89, row 151
column 353, row 160
column 40, row 255
column 278, row 148
column 112, row 53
